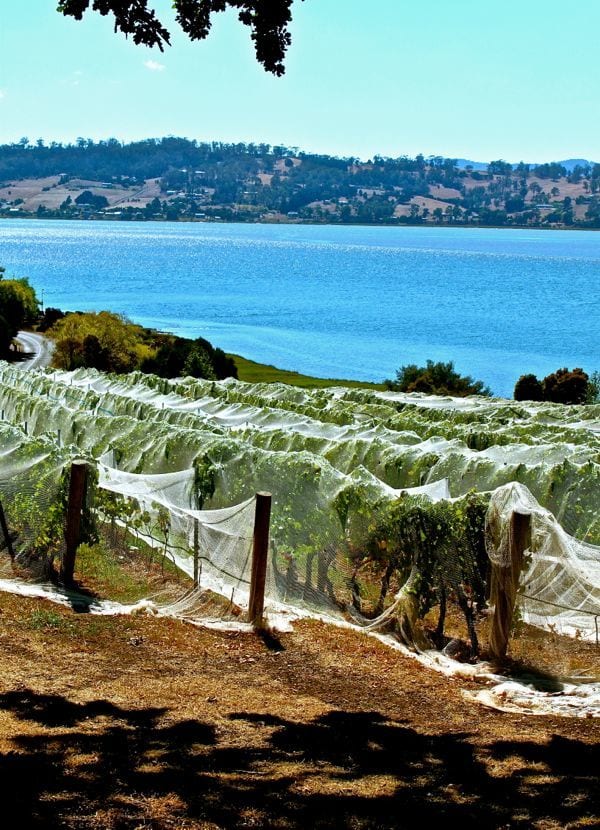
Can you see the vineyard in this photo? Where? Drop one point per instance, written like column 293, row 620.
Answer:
column 389, row 510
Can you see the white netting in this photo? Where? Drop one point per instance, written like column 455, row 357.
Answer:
column 332, row 458
column 31, row 491
column 338, row 462
column 211, row 546
column 400, row 440
column 559, row 588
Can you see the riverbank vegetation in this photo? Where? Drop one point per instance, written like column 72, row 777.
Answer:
column 563, row 386
column 436, row 379
column 252, row 372
column 178, row 179
column 111, row 343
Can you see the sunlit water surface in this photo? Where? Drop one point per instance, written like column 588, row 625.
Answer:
column 352, row 302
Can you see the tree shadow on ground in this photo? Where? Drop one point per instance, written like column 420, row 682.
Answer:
column 97, row 758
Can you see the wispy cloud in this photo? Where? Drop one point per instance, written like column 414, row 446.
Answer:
column 74, row 78
column 2, row 94
column 154, row 66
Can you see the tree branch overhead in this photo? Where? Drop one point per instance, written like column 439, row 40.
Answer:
column 268, row 21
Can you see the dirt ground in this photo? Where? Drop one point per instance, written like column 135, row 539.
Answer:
column 142, row 722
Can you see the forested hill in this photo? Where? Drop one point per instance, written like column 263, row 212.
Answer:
column 175, row 178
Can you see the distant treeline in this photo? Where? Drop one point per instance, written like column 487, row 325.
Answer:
column 252, row 182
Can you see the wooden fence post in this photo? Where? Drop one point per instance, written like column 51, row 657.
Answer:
column 505, row 582
column 4, row 528
column 77, row 490
column 196, row 553
column 260, row 552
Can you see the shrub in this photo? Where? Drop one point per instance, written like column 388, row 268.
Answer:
column 436, row 379
column 49, row 318
column 593, row 390
column 564, row 386
column 101, row 340
column 177, row 356
column 528, row 388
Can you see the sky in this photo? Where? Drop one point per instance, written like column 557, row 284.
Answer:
column 476, row 79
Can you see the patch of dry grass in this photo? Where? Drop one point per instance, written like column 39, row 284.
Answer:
column 145, row 722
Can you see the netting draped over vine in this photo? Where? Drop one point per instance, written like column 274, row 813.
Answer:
column 381, row 442
column 559, row 588
column 211, row 545
column 361, row 480
column 32, row 494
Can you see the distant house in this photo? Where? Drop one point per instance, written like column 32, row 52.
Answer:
column 293, row 214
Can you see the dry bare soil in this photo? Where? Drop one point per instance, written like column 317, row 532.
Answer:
column 141, row 722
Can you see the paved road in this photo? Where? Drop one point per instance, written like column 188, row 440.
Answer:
column 38, row 346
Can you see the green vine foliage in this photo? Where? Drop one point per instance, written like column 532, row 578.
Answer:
column 443, row 540
column 204, row 479
column 40, row 526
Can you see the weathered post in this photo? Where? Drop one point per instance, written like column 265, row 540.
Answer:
column 77, row 491
column 4, row 528
column 260, row 551
column 505, row 582
column 196, row 553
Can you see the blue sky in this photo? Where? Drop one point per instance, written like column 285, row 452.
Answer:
column 462, row 78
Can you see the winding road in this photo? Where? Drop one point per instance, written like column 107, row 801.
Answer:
column 38, row 347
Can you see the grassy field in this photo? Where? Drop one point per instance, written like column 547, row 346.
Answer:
column 252, row 372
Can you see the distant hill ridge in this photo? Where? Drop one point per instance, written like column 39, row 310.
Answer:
column 569, row 164
column 180, row 179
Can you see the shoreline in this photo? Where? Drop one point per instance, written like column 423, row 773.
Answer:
column 303, row 222
column 249, row 371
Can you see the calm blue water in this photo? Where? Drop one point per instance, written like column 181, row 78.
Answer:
column 351, row 302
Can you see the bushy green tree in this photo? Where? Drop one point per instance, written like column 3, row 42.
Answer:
column 49, row 318
column 436, row 379
column 101, row 340
column 593, row 390
column 88, row 198
column 19, row 307
column 178, row 356
column 198, row 363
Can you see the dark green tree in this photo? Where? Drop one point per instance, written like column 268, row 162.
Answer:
column 94, row 355
column 528, row 388
column 19, row 307
column 198, row 363
column 89, row 198
column 436, row 379
column 49, row 318
column 499, row 168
